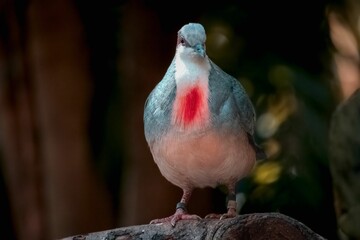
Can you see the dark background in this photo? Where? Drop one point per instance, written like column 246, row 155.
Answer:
column 74, row 76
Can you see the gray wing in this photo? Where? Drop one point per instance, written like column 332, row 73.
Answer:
column 231, row 98
column 232, row 102
column 158, row 105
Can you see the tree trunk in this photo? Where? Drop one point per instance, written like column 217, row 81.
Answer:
column 248, row 226
column 45, row 94
column 62, row 82
column 19, row 145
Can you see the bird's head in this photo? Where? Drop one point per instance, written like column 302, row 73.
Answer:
column 191, row 42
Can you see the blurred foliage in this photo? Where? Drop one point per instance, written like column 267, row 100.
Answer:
column 345, row 164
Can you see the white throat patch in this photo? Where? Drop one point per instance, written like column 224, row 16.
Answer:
column 189, row 67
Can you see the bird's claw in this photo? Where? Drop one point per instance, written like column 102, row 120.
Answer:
column 183, row 216
column 227, row 215
column 230, row 214
column 213, row 216
column 173, row 219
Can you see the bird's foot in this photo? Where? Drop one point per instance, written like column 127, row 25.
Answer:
column 231, row 213
column 221, row 216
column 178, row 215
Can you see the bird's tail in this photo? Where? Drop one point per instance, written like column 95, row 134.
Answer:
column 260, row 153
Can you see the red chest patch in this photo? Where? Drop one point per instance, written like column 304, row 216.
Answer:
column 190, row 106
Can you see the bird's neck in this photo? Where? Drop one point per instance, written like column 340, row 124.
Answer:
column 189, row 69
column 191, row 102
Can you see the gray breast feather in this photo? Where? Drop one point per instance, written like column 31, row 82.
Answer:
column 228, row 102
column 158, row 105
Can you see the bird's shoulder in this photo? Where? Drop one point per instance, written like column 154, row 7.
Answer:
column 164, row 90
column 235, row 93
column 227, row 88
column 158, row 105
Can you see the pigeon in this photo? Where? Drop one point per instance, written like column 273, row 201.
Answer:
column 199, row 125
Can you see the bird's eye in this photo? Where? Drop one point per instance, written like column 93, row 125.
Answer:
column 181, row 40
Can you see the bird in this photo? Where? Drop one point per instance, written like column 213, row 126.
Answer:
column 199, row 125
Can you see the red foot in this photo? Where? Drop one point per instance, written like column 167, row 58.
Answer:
column 230, row 214
column 173, row 219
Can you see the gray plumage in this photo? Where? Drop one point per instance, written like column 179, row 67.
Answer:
column 158, row 106
column 199, row 124
column 229, row 105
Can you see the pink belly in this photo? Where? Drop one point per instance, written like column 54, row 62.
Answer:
column 190, row 160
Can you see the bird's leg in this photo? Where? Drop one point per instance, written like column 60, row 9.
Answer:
column 231, row 205
column 181, row 211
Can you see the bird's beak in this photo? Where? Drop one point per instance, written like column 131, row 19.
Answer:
column 200, row 49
